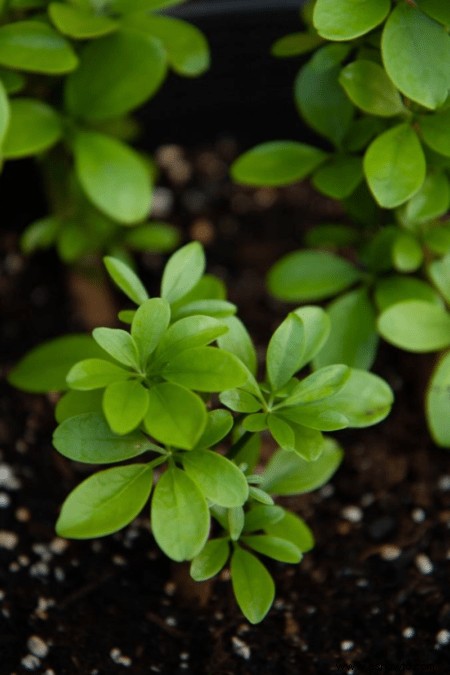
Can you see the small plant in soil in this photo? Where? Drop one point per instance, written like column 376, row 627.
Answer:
column 376, row 89
column 71, row 74
column 193, row 417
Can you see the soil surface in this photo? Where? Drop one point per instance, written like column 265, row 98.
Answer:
column 373, row 596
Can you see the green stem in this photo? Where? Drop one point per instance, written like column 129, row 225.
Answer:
column 240, row 443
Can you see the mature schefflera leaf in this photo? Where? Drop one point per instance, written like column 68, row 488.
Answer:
column 179, row 516
column 127, row 6
column 211, row 560
column 438, row 10
column 416, row 55
column 437, row 403
column 89, row 439
column 276, row 163
column 323, row 383
column 221, row 481
column 316, row 331
column 397, row 288
column 119, row 344
column 416, row 326
column 176, row 416
column 113, row 176
column 292, row 528
column 74, row 403
column 295, row 44
column 253, row 586
column 35, row 47
column 78, row 22
column 126, row 280
column 105, row 502
column 206, row 369
column 33, row 128
column 431, row 201
column 4, row 112
column 148, row 326
column 347, row 19
column 368, row 87
column 273, row 547
column 308, row 443
column 395, row 166
column 407, row 253
column 125, row 405
column 339, row 177
column 95, row 374
column 310, row 275
column 187, row 333
column 435, row 130
column 218, row 425
column 117, row 73
column 182, row 272
column 238, row 341
column 284, row 352
column 439, row 271
column 45, row 367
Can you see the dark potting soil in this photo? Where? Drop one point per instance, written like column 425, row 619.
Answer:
column 373, row 596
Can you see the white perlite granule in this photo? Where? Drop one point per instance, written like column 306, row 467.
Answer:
column 443, row 637
column 241, row 648
column 390, row 552
column 37, row 646
column 347, row 645
column 424, row 564
column 408, row 632
column 8, row 540
column 352, row 513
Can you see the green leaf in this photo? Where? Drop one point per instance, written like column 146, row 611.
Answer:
column 361, row 132
column 310, row 275
column 218, row 425
column 182, row 271
column 437, row 238
column 255, row 422
column 105, row 502
column 40, row 234
column 238, row 341
column 308, row 443
column 125, row 405
column 285, row 351
column 315, row 416
column 235, row 522
column 179, row 516
column 294, row 529
column 274, row 547
column 276, row 163
column 435, row 130
column 192, row 331
column 331, row 236
column 78, row 23
column 295, row 44
column 316, row 330
column 416, row 55
column 431, row 201
column 176, row 416
column 35, row 47
column 397, row 288
column 260, row 517
column 126, row 280
column 119, row 344
column 154, row 237
column 407, row 255
column 395, row 166
column 149, row 325
column 89, row 439
column 348, row 19
column 187, row 48
column 436, row 9
column 95, row 374
column 437, row 403
column 45, row 367
column 218, row 309
column 211, row 560
column 219, row 479
column 289, row 474
column 113, row 176
column 252, row 585
column 240, row 401
column 117, row 73
column 74, row 403
column 4, row 111
column 340, row 177
column 320, row 98
column 439, row 272
column 319, row 385
column 128, row 6
column 12, row 82
column 369, row 88
column 33, row 128
column 206, row 369
column 416, row 326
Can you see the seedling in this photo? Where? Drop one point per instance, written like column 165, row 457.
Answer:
column 71, row 73
column 148, row 394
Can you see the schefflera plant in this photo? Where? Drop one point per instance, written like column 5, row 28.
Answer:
column 71, row 74
column 152, row 390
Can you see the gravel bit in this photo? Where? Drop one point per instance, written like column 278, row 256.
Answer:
column 37, row 646
column 241, row 648
column 424, row 564
column 117, row 656
column 352, row 513
column 8, row 540
column 7, row 478
column 408, row 632
column 443, row 637
column 30, row 662
column 347, row 645
column 390, row 552
column 418, row 515
column 5, row 500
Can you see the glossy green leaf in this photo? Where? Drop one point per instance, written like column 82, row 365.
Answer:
column 438, row 10
column 437, row 403
column 219, row 479
column 397, row 288
column 348, row 19
column 125, row 405
column 294, row 529
column 439, row 272
column 235, row 518
column 218, row 425
column 45, row 367
column 95, row 374
column 153, row 237
column 289, row 474
column 179, row 516
column 339, row 177
column 316, row 330
column 206, row 369
column 126, row 280
column 192, row 331
column 407, row 254
column 331, row 236
column 176, row 416
column 127, row 6
column 308, row 443
column 240, row 401
column 74, row 403
column 182, row 271
column 274, row 547
column 310, row 275
column 4, row 111
column 253, row 586
column 255, row 422
column 295, row 44
column 395, row 166
column 276, row 163
column 431, row 201
column 361, row 132
column 149, row 325
column 113, row 176
column 89, row 439
column 13, row 82
column 260, row 517
column 437, row 238
column 285, row 351
column 416, row 326
column 238, row 341
column 40, row 234
column 211, row 560
column 320, row 98
column 78, row 23
column 35, row 47
column 119, row 344
column 117, row 73
column 105, row 502
column 368, row 87
column 319, row 385
column 435, row 130
column 218, row 309
column 33, row 128
column 416, row 55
